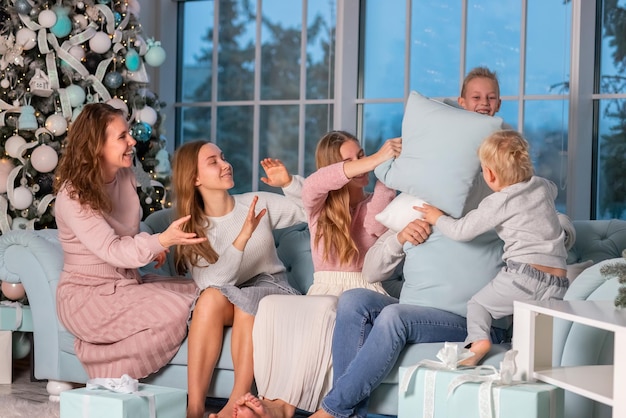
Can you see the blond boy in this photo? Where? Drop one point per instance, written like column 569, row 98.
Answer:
column 522, row 212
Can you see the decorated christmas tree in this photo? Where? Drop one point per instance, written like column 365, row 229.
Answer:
column 55, row 57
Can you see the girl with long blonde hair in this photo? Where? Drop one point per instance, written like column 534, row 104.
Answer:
column 296, row 332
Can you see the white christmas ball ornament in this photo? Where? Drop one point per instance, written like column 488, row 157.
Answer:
column 27, row 38
column 148, row 115
column 77, row 52
column 118, row 104
column 44, row 158
column 5, row 83
column 22, row 198
column 56, row 124
column 47, row 18
column 76, row 94
column 100, row 43
column 13, row 145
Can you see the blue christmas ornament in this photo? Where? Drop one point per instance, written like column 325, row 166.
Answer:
column 23, row 7
column 118, row 18
column 27, row 120
column 133, row 61
column 63, row 25
column 141, row 131
column 113, row 80
column 104, row 1
column 155, row 55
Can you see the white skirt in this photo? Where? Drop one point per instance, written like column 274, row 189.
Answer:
column 293, row 340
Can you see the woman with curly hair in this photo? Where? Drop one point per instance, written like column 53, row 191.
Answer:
column 123, row 323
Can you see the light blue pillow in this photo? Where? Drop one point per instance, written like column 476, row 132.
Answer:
column 438, row 161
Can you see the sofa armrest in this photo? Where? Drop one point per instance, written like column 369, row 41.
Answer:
column 603, row 242
column 35, row 259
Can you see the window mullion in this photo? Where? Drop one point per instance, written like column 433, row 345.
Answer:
column 580, row 140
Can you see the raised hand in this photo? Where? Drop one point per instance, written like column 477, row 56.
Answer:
column 276, row 172
column 390, row 149
column 249, row 226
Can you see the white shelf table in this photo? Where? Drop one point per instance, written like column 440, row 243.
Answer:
column 532, row 338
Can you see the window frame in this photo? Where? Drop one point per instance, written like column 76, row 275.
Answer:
column 582, row 131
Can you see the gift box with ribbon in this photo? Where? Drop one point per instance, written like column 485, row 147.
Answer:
column 123, row 398
column 15, row 317
column 441, row 390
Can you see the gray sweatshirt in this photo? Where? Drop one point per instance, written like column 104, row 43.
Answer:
column 524, row 217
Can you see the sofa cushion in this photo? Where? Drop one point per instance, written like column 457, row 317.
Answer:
column 438, row 162
column 294, row 250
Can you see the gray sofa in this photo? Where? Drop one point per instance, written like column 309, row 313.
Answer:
column 35, row 259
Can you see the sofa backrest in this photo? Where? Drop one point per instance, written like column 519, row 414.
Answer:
column 598, row 240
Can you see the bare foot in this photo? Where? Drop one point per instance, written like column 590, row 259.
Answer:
column 249, row 406
column 480, row 349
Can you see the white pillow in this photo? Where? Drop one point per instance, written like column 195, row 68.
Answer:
column 573, row 270
column 399, row 212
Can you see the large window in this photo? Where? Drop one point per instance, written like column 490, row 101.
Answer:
column 257, row 79
column 429, row 45
column 268, row 77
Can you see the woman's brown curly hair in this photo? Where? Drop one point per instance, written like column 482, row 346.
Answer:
column 80, row 166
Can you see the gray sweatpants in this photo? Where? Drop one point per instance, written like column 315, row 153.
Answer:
column 516, row 281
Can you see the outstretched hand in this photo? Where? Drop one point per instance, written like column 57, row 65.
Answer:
column 431, row 213
column 276, row 172
column 174, row 235
column 249, row 226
